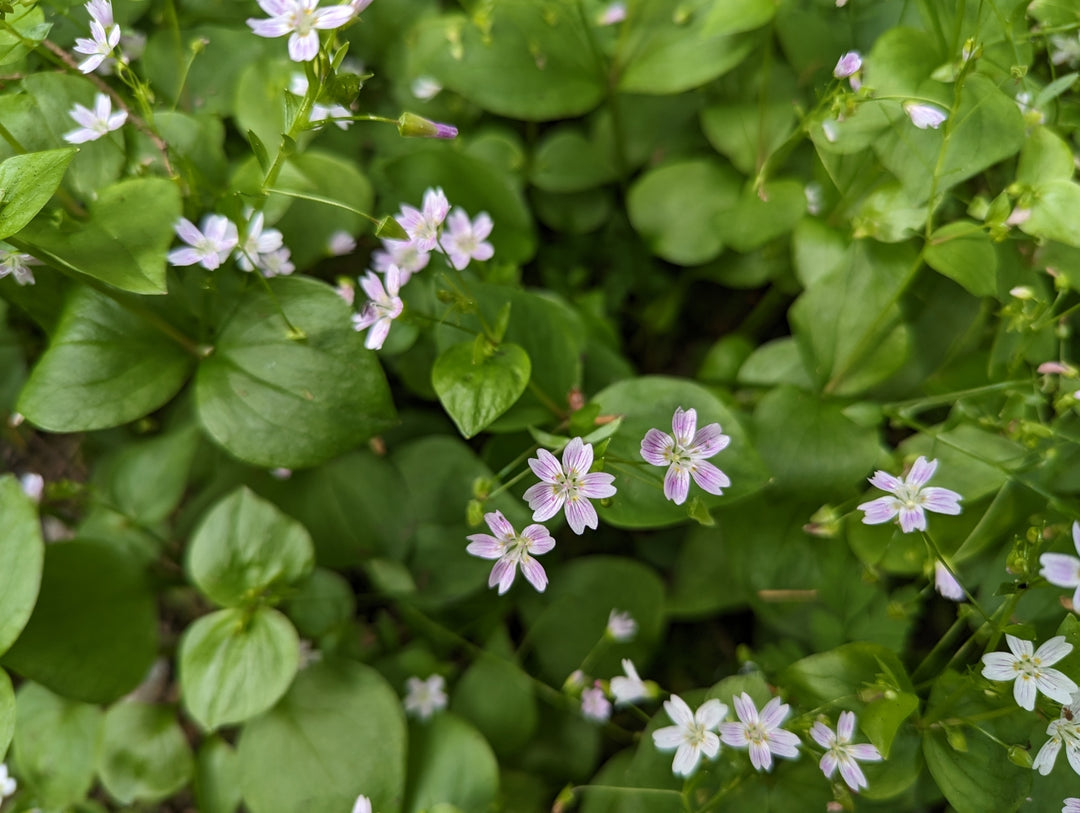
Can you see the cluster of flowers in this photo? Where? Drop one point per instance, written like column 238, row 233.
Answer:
column 98, row 47
column 569, row 486
column 430, row 228
column 211, row 244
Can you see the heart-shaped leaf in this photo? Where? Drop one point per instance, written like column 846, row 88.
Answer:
column 475, row 392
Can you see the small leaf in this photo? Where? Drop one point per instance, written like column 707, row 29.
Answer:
column 27, row 182
column 145, row 755
column 475, row 394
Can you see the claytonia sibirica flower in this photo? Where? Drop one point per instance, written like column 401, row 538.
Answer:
column 17, row 264
column 693, row 733
column 594, row 706
column 1064, row 49
column 276, row 263
column 301, row 20
column 685, row 453
column 1063, row 731
column 341, row 243
column 761, row 733
column 257, row 241
column 945, row 584
column 103, row 39
column 425, row 697
column 614, row 12
column 1063, row 570
column 628, row 689
column 7, row 783
column 848, row 67
column 512, row 549
column 464, row 239
column 925, row 116
column 425, row 88
column 383, row 307
column 841, row 752
column 362, row 804
column 911, row 499
column 298, row 86
column 33, row 486
column 209, row 246
column 569, row 485
column 404, row 254
column 423, row 224
column 94, row 123
column 1072, row 805
column 621, row 626
column 1031, row 671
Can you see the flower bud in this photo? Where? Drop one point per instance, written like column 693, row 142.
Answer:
column 414, row 126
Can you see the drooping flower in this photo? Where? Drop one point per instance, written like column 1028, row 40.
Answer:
column 425, row 697
column 209, row 246
column 685, row 452
column 692, row 735
column 17, row 264
column 568, row 485
column 621, row 626
column 512, row 549
column 1063, row 731
column 301, row 20
column 99, row 45
column 405, row 254
column 8, row 784
column 362, row 804
column 422, row 225
column 925, row 116
column 257, row 242
column 630, row 688
column 945, row 584
column 383, row 307
column 1031, row 670
column 94, row 123
column 1063, row 570
column 594, row 706
column 841, row 752
column 911, row 498
column 465, row 239
column 760, row 733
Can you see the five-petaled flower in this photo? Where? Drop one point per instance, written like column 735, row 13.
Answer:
column 630, row 688
column 1063, row 731
column 911, row 498
column 405, row 254
column 925, row 116
column 464, row 239
column 94, row 123
column 685, row 452
column 1063, row 570
column 761, row 733
column 104, row 37
column 301, row 20
column 569, row 484
column 1031, row 670
column 209, row 246
column 425, row 697
column 257, row 242
column 841, row 752
column 693, row 733
column 422, row 225
column 512, row 549
column 383, row 307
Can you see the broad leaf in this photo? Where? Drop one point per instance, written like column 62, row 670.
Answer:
column 26, row 184
column 476, row 392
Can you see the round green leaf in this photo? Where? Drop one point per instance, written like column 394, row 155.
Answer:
column 21, row 557
column 962, row 251
column 450, row 764
column 217, row 777
column 274, row 399
column 1052, row 212
column 93, row 633
column 235, row 664
column 28, row 181
column 340, row 722
column 56, row 745
column 566, row 161
column 145, row 755
column 321, row 603
column 474, row 391
column 245, row 547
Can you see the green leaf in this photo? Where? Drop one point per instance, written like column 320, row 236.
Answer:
column 1044, row 157
column 57, row 743
column 124, row 241
column 27, row 28
column 1051, row 212
column 105, row 366
column 339, row 722
column 26, row 184
column 322, row 603
column 450, row 763
column 761, row 215
column 217, row 777
column 962, row 251
column 144, row 755
column 146, row 479
column 475, row 394
column 567, row 161
column 235, row 664
column 21, row 556
column 7, row 711
column 94, row 630
column 735, row 16
column 273, row 399
column 245, row 548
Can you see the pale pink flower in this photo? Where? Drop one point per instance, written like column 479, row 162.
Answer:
column 1055, row 368
column 257, row 242
column 569, row 484
column 692, row 735
column 760, row 733
column 841, row 752
column 621, row 626
column 614, row 12
column 425, row 88
column 464, row 240
column 341, row 243
column 209, row 246
column 1065, row 730
column 630, row 688
column 422, row 225
column 685, row 453
column 383, row 307
column 911, row 498
column 101, row 10
column 594, row 706
column 301, row 20
column 1072, row 805
column 405, row 254
column 848, row 64
column 925, row 116
column 17, row 264
column 93, row 124
column 425, row 697
column 101, row 43
column 512, row 549
column 945, row 584
column 362, row 804
column 1031, row 670
column 1063, row 570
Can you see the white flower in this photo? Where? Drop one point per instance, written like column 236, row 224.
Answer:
column 621, row 626
column 760, row 733
column 925, row 116
column 1064, row 49
column 100, row 44
column 628, row 689
column 405, row 254
column 276, row 263
column 685, row 452
column 840, row 752
column 1030, row 671
column 594, row 706
column 422, row 225
column 614, row 12
column 298, row 86
column 33, row 486
column 425, row 697
column 7, row 783
column 362, row 804
column 512, row 549
column 257, row 242
column 945, row 584
column 301, row 20
column 101, row 10
column 692, row 733
column 1063, row 731
column 383, row 307
column 425, row 88
column 1062, row 570
column 17, row 264
column 465, row 240
column 210, row 246
column 911, row 498
column 94, row 123
column 341, row 243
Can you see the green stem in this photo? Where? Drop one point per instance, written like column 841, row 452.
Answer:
column 940, row 557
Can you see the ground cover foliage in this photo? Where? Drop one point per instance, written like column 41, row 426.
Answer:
column 744, row 330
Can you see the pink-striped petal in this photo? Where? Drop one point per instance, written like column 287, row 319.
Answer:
column 710, row 478
column 534, row 573
column 577, row 457
column 499, row 525
column 502, row 574
column 760, row 756
column 653, row 446
column 676, row 484
column 545, row 466
column 538, row 538
column 484, row 546
column 708, row 441
column 683, row 426
column 886, row 482
column 597, row 485
column 940, row 500
column 580, row 515
column 845, row 726
column 921, row 472
column 912, row 518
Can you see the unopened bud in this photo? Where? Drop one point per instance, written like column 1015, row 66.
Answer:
column 411, row 125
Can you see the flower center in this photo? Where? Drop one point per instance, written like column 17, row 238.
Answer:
column 695, row 734
column 757, row 733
